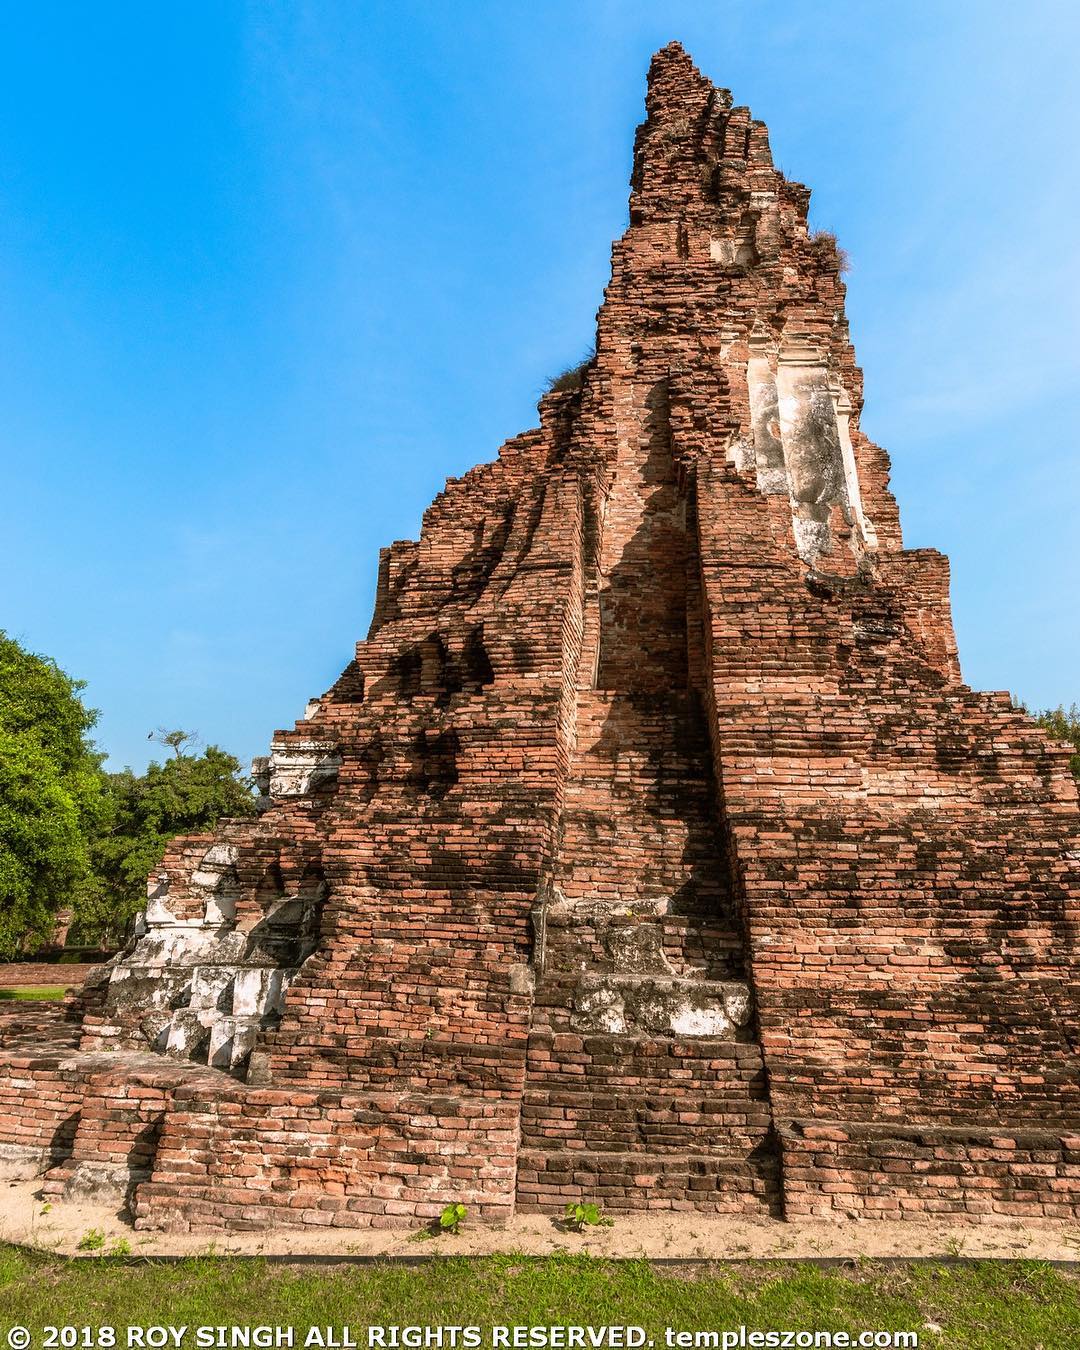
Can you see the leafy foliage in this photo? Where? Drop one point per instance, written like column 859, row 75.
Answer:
column 72, row 835
column 187, row 794
column 177, row 740
column 51, row 798
column 1064, row 725
column 579, row 1216
column 450, row 1219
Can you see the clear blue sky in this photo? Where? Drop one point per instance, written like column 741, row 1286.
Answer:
column 272, row 271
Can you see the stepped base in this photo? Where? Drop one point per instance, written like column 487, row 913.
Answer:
column 715, row 1183
column 96, row 1183
column 23, row 1162
column 894, row 1171
column 37, row 1026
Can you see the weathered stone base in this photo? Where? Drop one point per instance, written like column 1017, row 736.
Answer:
column 94, row 1182
column 263, row 1157
column 21, row 1162
column 621, row 1182
column 190, row 1149
column 893, row 1171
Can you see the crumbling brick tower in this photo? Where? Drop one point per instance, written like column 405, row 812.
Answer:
column 651, row 850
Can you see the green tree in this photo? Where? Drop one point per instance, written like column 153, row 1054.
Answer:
column 51, row 798
column 187, row 794
column 1064, row 725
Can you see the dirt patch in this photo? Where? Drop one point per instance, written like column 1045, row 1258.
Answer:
column 682, row 1236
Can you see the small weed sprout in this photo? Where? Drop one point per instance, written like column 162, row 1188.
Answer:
column 451, row 1218
column 121, row 1247
column 580, row 1216
column 92, row 1240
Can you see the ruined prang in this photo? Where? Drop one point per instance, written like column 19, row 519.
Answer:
column 650, row 851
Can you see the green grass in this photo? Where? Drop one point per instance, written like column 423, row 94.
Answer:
column 49, row 992
column 990, row 1304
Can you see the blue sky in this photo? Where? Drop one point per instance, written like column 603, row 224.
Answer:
column 272, row 272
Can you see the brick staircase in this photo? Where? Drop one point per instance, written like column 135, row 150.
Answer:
column 644, row 1084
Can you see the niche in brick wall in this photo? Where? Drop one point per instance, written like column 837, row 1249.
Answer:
column 490, row 535
column 312, row 893
column 643, row 598
column 369, row 762
column 291, row 916
column 350, row 685
column 409, row 666
column 476, row 664
column 271, row 888
column 434, row 759
column 426, row 668
column 222, row 901
column 269, row 935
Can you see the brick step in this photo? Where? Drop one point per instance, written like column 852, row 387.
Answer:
column 655, row 1093
column 33, row 1024
column 548, row 1128
column 402, row 1063
column 697, row 1094
column 677, row 945
column 642, row 882
column 648, row 1006
column 710, row 1182
column 623, row 741
column 632, row 1059
column 93, row 1182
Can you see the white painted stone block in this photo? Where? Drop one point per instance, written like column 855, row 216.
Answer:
column 221, row 856
column 688, row 1021
column 210, row 985
column 259, row 992
column 221, row 908
column 297, row 769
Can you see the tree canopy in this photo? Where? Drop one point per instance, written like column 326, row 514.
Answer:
column 187, row 794
column 1064, row 725
column 51, row 793
column 73, row 836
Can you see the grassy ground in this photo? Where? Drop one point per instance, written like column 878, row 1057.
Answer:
column 49, row 992
column 1015, row 1304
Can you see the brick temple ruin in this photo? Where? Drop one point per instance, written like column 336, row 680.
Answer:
column 650, row 851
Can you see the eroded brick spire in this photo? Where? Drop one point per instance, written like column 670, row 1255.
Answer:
column 650, row 851
column 719, row 237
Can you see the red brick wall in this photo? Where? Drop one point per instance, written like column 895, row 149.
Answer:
column 250, row 1159
column 657, row 717
column 904, row 847
column 39, row 1108
column 869, row 1171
